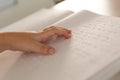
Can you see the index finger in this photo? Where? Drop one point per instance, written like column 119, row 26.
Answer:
column 53, row 31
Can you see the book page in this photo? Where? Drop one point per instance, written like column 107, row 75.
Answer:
column 94, row 45
column 97, row 39
column 38, row 20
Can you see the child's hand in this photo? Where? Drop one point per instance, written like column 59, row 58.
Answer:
column 32, row 41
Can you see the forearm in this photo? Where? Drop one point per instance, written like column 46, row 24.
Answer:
column 3, row 42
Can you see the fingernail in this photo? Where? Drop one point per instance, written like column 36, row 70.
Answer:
column 51, row 51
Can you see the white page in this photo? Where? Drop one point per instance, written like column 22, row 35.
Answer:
column 99, row 39
column 94, row 45
column 38, row 20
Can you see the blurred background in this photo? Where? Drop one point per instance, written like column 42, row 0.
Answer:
column 13, row 10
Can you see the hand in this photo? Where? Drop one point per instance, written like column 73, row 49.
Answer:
column 32, row 41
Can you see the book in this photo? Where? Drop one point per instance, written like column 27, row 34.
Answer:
column 92, row 53
column 40, row 19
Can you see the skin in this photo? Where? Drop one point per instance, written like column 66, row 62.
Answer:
column 32, row 41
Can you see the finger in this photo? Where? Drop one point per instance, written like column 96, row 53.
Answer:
column 38, row 48
column 53, row 31
column 45, row 49
column 59, row 31
column 69, row 31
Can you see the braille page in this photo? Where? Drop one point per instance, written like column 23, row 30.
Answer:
column 97, row 42
column 94, row 45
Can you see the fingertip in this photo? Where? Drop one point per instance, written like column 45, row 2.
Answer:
column 46, row 49
column 51, row 51
column 67, row 35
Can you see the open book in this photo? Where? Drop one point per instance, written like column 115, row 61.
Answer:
column 92, row 53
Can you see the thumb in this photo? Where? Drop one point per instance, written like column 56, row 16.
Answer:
column 45, row 49
column 38, row 48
